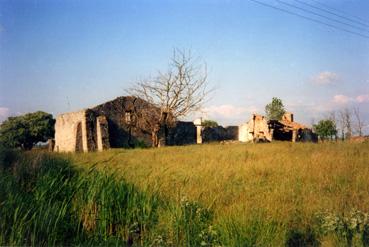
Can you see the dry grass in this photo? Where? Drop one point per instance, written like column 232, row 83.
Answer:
column 282, row 182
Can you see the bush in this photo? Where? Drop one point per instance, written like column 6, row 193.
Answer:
column 346, row 227
column 210, row 123
column 301, row 237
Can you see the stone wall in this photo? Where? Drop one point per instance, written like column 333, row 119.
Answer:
column 256, row 129
column 245, row 133
column 127, row 120
column 183, row 133
column 231, row 132
column 70, row 132
column 81, row 131
column 102, row 133
column 219, row 133
column 259, row 129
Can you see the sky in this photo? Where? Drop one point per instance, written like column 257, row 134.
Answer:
column 62, row 56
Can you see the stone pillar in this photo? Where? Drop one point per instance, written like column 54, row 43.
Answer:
column 102, row 133
column 198, row 124
column 294, row 135
column 84, row 133
column 199, row 134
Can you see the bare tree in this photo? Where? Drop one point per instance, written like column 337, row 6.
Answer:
column 359, row 122
column 345, row 122
column 179, row 91
column 332, row 116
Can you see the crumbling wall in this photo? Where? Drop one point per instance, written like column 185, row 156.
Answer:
column 91, row 138
column 256, row 129
column 259, row 129
column 81, row 131
column 70, row 132
column 306, row 135
column 245, row 133
column 287, row 116
column 231, row 132
column 219, row 133
column 182, row 134
column 210, row 134
column 127, row 122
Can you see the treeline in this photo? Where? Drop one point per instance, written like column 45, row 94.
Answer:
column 341, row 124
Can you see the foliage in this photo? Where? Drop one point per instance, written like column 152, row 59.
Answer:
column 194, row 223
column 347, row 226
column 275, row 109
column 209, row 123
column 325, row 129
column 26, row 130
column 301, row 237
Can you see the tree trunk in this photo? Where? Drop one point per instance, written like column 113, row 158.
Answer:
column 154, row 139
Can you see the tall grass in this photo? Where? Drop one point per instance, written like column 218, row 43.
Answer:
column 280, row 194
column 263, row 194
column 45, row 201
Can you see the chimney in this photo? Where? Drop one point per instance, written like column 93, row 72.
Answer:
column 288, row 116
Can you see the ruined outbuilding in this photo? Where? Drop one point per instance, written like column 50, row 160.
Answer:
column 259, row 129
column 256, row 129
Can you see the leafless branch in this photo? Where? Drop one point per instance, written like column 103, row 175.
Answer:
column 359, row 125
column 179, row 91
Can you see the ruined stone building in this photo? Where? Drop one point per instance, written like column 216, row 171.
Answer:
column 255, row 129
column 80, row 131
column 127, row 122
column 258, row 128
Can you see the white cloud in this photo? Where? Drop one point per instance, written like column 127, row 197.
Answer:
column 325, row 78
column 225, row 110
column 228, row 112
column 362, row 98
column 341, row 99
column 4, row 113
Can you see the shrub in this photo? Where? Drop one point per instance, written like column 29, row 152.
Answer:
column 346, row 227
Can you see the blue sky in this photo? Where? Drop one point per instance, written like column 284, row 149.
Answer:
column 60, row 56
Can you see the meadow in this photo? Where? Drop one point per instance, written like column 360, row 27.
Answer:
column 277, row 194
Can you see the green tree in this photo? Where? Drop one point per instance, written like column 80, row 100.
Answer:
column 275, row 109
column 325, row 128
column 209, row 123
column 26, row 130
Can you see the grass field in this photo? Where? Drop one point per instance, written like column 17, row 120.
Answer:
column 273, row 187
column 274, row 194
